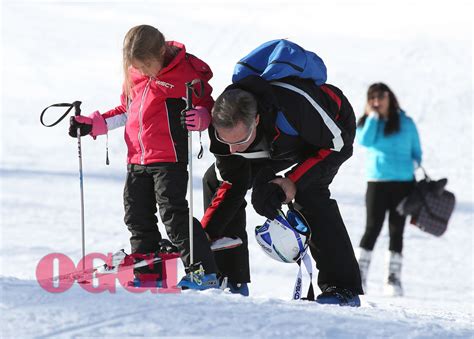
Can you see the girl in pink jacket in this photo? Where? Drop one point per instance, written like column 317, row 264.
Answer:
column 153, row 98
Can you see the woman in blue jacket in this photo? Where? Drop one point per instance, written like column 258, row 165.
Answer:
column 393, row 151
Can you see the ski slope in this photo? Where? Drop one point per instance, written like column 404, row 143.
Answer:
column 61, row 51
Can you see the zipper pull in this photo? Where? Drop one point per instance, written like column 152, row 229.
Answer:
column 107, row 162
column 201, row 149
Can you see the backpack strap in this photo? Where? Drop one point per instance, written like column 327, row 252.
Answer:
column 284, row 126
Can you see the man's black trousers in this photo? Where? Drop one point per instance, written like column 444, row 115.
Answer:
column 164, row 184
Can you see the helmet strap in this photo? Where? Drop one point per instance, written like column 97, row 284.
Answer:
column 297, row 291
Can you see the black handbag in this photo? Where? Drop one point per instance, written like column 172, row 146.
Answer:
column 430, row 205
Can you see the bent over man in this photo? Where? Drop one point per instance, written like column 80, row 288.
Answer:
column 261, row 126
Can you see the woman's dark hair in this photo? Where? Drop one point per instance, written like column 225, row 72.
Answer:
column 393, row 122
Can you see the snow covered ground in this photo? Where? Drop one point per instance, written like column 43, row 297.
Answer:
column 61, row 51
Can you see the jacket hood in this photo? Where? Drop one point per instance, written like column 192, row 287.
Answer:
column 179, row 53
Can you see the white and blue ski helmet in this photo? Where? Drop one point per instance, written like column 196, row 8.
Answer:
column 284, row 238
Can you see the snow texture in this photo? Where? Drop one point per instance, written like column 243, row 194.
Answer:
column 61, row 51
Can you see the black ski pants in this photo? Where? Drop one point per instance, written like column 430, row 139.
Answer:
column 382, row 197
column 164, row 184
column 232, row 263
column 330, row 244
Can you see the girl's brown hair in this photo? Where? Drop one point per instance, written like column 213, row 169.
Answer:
column 141, row 43
column 393, row 122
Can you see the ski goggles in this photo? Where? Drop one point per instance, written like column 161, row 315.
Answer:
column 244, row 141
column 296, row 220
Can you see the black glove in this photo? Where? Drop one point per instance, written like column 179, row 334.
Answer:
column 267, row 197
column 85, row 126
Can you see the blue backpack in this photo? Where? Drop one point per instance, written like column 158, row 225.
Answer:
column 278, row 59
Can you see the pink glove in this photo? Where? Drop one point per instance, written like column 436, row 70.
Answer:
column 94, row 122
column 197, row 119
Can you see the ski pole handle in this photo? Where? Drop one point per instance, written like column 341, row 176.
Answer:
column 198, row 92
column 77, row 111
column 77, row 108
column 189, row 104
column 189, row 95
column 191, row 89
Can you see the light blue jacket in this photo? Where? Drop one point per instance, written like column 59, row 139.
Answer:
column 390, row 157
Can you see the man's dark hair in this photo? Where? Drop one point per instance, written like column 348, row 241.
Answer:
column 232, row 106
column 393, row 121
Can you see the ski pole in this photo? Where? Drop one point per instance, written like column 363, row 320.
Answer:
column 77, row 111
column 189, row 105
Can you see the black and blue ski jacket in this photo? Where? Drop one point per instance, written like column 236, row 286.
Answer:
column 305, row 124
